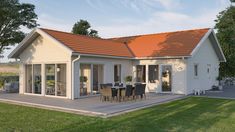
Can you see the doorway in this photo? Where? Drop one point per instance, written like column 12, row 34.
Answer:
column 166, row 78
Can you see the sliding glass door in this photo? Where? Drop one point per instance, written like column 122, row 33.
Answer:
column 37, row 79
column 33, row 78
column 55, row 79
column 29, row 78
column 50, row 79
column 91, row 76
column 61, row 79
column 97, row 78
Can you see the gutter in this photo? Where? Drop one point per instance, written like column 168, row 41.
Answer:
column 72, row 91
column 132, row 58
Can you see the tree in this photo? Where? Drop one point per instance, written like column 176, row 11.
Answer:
column 14, row 15
column 83, row 27
column 225, row 26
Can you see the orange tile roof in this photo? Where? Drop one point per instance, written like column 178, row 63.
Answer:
column 89, row 45
column 180, row 43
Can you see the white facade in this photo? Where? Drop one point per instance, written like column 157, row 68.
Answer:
column 208, row 68
column 44, row 50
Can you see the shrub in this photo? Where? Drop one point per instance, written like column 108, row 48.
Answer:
column 8, row 78
column 128, row 78
column 83, row 79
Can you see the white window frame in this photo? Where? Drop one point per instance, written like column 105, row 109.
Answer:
column 195, row 73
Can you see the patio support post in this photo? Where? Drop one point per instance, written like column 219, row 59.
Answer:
column 22, row 78
column 146, row 76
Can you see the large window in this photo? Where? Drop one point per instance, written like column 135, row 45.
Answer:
column 33, row 79
column 61, row 79
column 50, row 79
column 37, row 79
column 140, row 73
column 56, row 79
column 97, row 77
column 91, row 76
column 29, row 77
column 153, row 73
column 117, row 73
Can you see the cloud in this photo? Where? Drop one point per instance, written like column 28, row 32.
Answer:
column 160, row 21
column 47, row 21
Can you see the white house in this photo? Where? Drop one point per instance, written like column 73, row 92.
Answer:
column 51, row 62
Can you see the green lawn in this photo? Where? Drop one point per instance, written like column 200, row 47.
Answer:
column 191, row 114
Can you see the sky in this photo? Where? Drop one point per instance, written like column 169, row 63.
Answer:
column 115, row 18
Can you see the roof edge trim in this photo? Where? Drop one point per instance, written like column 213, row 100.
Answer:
column 201, row 42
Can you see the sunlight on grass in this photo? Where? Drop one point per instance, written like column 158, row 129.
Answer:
column 191, row 114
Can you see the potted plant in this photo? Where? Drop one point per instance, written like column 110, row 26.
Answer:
column 83, row 79
column 128, row 79
column 219, row 78
column 164, row 74
column 165, row 85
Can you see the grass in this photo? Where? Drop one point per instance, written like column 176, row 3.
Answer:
column 191, row 114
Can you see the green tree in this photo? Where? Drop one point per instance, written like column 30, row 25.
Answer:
column 13, row 16
column 225, row 26
column 83, row 27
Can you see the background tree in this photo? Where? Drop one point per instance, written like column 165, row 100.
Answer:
column 225, row 25
column 83, row 27
column 13, row 15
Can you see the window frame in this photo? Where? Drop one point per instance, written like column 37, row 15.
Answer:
column 154, row 74
column 196, row 70
column 117, row 79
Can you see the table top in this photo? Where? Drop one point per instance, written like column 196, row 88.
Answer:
column 118, row 87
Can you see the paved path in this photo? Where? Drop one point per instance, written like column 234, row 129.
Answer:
column 228, row 92
column 88, row 106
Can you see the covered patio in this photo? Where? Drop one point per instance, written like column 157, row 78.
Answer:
column 91, row 106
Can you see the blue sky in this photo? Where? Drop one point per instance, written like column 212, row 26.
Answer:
column 114, row 18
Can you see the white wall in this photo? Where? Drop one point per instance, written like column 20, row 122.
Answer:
column 204, row 56
column 178, row 73
column 126, row 66
column 44, row 50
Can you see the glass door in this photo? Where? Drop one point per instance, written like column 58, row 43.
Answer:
column 37, row 79
column 28, row 69
column 85, row 79
column 97, row 77
column 166, row 78
column 153, row 73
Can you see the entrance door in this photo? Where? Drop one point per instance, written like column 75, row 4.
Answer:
column 153, row 78
column 166, row 78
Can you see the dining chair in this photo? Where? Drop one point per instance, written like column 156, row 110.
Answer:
column 139, row 91
column 127, row 92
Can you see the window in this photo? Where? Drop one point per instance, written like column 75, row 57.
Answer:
column 61, row 79
column 50, row 79
column 117, row 73
column 37, row 79
column 140, row 73
column 153, row 73
column 33, row 79
column 55, row 79
column 29, row 76
column 208, row 68
column 195, row 70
